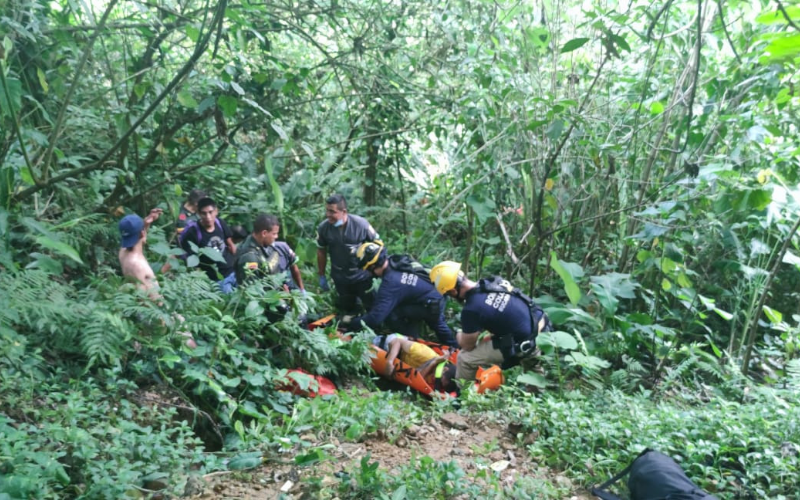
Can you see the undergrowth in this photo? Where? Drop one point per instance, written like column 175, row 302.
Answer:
column 745, row 448
column 69, row 438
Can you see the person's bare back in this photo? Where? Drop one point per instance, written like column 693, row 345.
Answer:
column 134, row 265
column 133, row 231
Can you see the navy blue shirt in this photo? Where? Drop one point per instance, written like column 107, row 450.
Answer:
column 341, row 243
column 398, row 289
column 501, row 314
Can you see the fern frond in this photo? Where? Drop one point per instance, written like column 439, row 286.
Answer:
column 103, row 338
column 677, row 373
column 793, row 373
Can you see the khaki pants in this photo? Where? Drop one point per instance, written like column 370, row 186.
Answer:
column 484, row 355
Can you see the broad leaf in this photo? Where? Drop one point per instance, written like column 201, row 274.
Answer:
column 277, row 192
column 59, row 247
column 561, row 340
column 775, row 317
column 533, row 379
column 567, row 272
column 553, row 132
column 573, row 44
column 609, row 287
column 483, row 207
column 186, row 99
column 245, row 461
column 212, row 253
column 228, row 105
column 15, row 93
column 777, row 17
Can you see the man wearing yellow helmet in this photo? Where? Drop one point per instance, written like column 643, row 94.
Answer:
column 406, row 297
column 510, row 317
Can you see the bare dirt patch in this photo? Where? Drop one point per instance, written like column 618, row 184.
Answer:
column 473, row 443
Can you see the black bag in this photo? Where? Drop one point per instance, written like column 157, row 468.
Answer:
column 654, row 476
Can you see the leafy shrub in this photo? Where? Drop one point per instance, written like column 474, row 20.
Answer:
column 86, row 438
column 725, row 446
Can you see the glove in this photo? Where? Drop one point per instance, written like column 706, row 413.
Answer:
column 323, row 284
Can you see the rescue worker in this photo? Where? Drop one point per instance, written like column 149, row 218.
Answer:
column 339, row 235
column 406, row 297
column 262, row 254
column 512, row 319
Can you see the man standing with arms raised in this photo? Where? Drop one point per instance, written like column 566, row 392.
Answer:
column 133, row 234
column 340, row 234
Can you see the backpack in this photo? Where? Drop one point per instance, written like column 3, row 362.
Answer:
column 406, row 264
column 193, row 224
column 512, row 351
column 654, row 476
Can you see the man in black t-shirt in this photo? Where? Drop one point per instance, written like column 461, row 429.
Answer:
column 340, row 235
column 214, row 235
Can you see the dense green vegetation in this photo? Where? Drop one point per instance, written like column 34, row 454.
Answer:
column 634, row 166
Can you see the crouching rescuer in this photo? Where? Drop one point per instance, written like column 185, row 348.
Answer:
column 406, row 297
column 491, row 305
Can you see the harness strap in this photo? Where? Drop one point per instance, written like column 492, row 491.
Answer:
column 539, row 320
column 439, row 370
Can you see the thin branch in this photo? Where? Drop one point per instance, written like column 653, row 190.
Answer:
column 658, row 16
column 725, row 30
column 786, row 15
column 751, row 334
column 198, row 53
column 45, row 159
column 15, row 124
column 509, row 249
column 697, row 54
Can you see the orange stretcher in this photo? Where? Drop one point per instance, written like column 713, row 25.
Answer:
column 486, row 380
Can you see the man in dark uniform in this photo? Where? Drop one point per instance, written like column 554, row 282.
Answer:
column 212, row 233
column 261, row 254
column 340, row 235
column 406, row 297
column 511, row 318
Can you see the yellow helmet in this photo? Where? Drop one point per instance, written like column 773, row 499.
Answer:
column 444, row 275
column 370, row 253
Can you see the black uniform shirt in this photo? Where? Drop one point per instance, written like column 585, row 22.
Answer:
column 499, row 313
column 399, row 289
column 341, row 243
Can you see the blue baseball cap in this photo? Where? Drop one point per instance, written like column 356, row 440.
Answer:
column 130, row 227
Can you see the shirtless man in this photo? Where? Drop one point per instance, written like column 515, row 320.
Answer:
column 133, row 233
